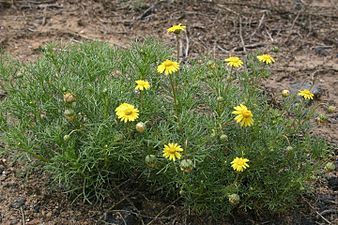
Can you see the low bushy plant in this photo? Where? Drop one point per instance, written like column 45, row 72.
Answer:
column 202, row 130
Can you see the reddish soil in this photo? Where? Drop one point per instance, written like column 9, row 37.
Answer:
column 304, row 32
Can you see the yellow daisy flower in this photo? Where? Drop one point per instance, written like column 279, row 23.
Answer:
column 142, row 85
column 234, row 62
column 126, row 112
column 239, row 164
column 244, row 116
column 176, row 29
column 172, row 151
column 265, row 58
column 168, row 67
column 306, row 94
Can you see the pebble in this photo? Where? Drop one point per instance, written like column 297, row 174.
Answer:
column 18, row 203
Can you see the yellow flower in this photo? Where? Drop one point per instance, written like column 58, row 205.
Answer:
column 306, row 94
column 176, row 29
column 239, row 164
column 126, row 112
column 168, row 67
column 265, row 58
column 172, row 151
column 244, row 116
column 142, row 85
column 234, row 62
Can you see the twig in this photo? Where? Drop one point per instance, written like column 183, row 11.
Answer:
column 240, row 34
column 259, row 25
column 186, row 50
column 255, row 45
column 323, row 218
column 22, row 216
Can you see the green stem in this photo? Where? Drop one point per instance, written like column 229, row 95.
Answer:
column 141, row 100
column 173, row 88
column 178, row 47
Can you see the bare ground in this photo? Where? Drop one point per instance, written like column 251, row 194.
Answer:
column 302, row 33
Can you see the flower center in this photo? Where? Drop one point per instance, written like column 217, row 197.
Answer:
column 167, row 64
column 172, row 150
column 128, row 112
column 246, row 114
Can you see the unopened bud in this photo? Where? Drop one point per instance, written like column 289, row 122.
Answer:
column 223, row 137
column 186, row 165
column 140, row 127
column 66, row 137
column 329, row 167
column 234, row 199
column 285, row 93
column 69, row 98
column 220, row 99
column 151, row 161
column 331, row 109
column 69, row 115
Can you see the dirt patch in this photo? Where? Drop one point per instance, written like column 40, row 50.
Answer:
column 301, row 35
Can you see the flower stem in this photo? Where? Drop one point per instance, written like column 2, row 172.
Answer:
column 178, row 47
column 173, row 88
column 141, row 100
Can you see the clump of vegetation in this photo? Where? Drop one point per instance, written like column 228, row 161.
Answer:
column 94, row 115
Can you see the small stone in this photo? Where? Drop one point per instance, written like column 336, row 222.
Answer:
column 18, row 203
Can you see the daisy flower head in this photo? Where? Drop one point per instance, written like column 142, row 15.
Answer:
column 142, row 85
column 240, row 164
column 176, row 29
column 265, row 58
column 126, row 112
column 172, row 151
column 306, row 94
column 168, row 67
column 234, row 61
column 244, row 115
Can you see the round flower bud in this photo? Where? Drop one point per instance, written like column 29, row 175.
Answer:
column 331, row 109
column 289, row 148
column 220, row 99
column 186, row 165
column 329, row 167
column 285, row 93
column 140, row 127
column 69, row 98
column 233, row 199
column 151, row 161
column 69, row 115
column 223, row 138
column 66, row 137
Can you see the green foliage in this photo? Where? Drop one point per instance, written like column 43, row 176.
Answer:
column 87, row 149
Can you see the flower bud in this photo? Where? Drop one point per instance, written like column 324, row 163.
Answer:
column 223, row 138
column 285, row 93
column 151, row 161
column 140, row 127
column 234, row 199
column 331, row 109
column 289, row 148
column 66, row 137
column 69, row 115
column 186, row 165
column 220, row 99
column 329, row 167
column 69, row 98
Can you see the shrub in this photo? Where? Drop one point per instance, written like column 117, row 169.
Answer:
column 67, row 111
